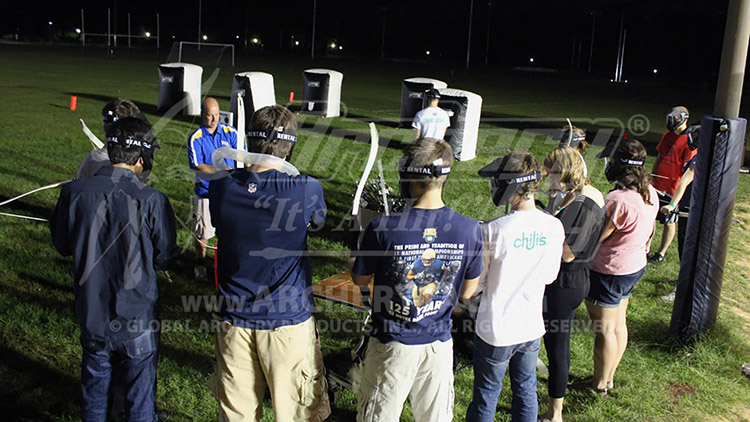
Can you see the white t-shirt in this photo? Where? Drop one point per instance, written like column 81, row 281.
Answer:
column 522, row 253
column 432, row 122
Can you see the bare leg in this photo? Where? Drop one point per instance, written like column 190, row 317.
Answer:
column 666, row 238
column 554, row 410
column 200, row 249
column 621, row 332
column 605, row 343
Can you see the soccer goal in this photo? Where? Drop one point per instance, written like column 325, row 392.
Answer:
column 202, row 53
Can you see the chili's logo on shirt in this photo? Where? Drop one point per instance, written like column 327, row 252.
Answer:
column 530, row 241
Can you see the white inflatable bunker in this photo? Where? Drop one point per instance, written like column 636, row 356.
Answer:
column 464, row 131
column 321, row 92
column 180, row 82
column 412, row 96
column 257, row 92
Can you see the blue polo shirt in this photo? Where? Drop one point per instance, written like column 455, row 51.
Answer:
column 261, row 221
column 201, row 146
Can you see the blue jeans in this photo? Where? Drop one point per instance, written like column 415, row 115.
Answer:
column 135, row 361
column 490, row 364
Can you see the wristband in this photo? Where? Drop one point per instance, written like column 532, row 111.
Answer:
column 673, row 205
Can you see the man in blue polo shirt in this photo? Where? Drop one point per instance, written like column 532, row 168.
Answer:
column 212, row 134
column 267, row 335
column 410, row 352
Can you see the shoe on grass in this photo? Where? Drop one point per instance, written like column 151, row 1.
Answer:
column 656, row 258
column 670, row 296
column 200, row 273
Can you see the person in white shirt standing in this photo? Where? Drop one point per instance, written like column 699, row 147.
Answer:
column 522, row 255
column 433, row 121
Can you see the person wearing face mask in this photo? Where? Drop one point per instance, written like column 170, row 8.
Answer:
column 620, row 261
column 674, row 153
column 522, row 256
column 580, row 209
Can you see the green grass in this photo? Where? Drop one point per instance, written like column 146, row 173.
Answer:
column 41, row 143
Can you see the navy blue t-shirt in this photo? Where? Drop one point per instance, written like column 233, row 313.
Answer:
column 420, row 259
column 261, row 221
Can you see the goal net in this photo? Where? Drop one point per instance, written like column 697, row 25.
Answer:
column 207, row 54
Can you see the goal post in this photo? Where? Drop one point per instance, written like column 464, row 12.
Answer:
column 205, row 53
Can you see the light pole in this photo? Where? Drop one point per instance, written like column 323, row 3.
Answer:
column 468, row 44
column 594, row 13
column 312, row 46
column 489, row 26
column 200, row 17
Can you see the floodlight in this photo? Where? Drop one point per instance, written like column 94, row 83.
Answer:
column 255, row 41
column 333, row 45
column 148, row 34
column 50, row 22
column 341, row 47
column 427, row 52
column 296, row 43
column 237, row 36
column 78, row 30
column 531, row 60
column 656, row 71
column 205, row 37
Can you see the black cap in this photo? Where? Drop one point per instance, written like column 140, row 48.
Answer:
column 433, row 93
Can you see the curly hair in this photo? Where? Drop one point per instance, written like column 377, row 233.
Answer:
column 629, row 176
column 568, row 163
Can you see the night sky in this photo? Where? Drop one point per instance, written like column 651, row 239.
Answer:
column 682, row 39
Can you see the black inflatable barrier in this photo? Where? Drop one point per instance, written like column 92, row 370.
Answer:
column 720, row 151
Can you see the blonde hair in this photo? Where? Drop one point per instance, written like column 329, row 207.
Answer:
column 568, row 163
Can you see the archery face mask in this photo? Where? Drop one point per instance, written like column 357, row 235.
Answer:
column 676, row 117
column 408, row 174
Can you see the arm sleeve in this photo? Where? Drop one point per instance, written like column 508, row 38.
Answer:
column 164, row 236
column 474, row 266
column 195, row 152
column 618, row 212
column 415, row 123
column 58, row 224
column 315, row 204
column 369, row 259
column 233, row 139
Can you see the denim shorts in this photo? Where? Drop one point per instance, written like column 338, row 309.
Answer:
column 608, row 290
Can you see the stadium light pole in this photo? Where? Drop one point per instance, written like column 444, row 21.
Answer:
column 468, row 44
column 200, row 13
column 594, row 14
column 733, row 56
column 312, row 46
column 489, row 26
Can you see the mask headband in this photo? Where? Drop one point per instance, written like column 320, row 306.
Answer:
column 129, row 141
column 272, row 136
column 110, row 117
column 433, row 170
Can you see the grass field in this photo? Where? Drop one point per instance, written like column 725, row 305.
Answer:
column 41, row 143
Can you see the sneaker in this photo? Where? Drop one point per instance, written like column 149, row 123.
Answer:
column 656, row 258
column 200, row 273
column 670, row 296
